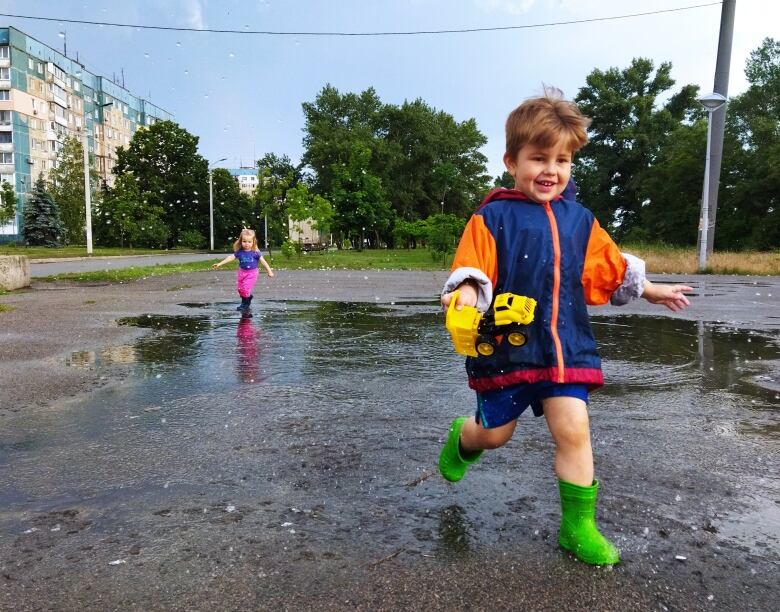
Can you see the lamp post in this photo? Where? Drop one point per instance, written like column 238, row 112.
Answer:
column 711, row 102
column 87, row 186
column 211, row 204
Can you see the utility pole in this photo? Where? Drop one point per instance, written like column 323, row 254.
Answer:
column 718, row 118
column 87, row 189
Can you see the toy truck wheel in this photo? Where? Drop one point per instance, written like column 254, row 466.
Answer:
column 516, row 338
column 486, row 345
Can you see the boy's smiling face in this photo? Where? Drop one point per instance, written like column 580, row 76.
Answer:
column 541, row 173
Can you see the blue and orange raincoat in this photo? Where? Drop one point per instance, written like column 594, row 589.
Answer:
column 558, row 254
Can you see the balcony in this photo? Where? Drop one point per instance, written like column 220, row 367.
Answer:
column 6, row 147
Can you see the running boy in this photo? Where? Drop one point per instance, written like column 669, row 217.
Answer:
column 248, row 255
column 536, row 241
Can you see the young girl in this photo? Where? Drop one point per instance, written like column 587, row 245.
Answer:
column 248, row 256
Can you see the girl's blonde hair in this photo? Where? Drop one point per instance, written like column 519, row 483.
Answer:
column 246, row 233
column 543, row 121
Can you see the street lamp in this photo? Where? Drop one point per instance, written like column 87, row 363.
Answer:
column 211, row 204
column 87, row 186
column 711, row 102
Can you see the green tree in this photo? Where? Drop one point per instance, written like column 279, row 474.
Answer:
column 506, row 180
column 749, row 198
column 66, row 184
column 361, row 208
column 303, row 205
column 427, row 158
column 171, row 176
column 233, row 210
column 443, row 234
column 628, row 132
column 42, row 224
column 7, row 202
column 275, row 175
column 127, row 218
column 674, row 189
column 409, row 234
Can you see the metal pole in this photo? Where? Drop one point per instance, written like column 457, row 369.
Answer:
column 718, row 117
column 87, row 192
column 265, row 230
column 705, row 208
column 211, row 211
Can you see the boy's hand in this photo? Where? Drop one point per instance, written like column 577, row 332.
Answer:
column 671, row 296
column 270, row 272
column 215, row 266
column 467, row 296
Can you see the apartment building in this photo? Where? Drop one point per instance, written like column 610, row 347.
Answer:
column 246, row 178
column 46, row 97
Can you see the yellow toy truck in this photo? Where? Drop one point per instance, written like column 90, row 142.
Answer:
column 474, row 334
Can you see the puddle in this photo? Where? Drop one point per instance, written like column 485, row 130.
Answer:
column 329, row 416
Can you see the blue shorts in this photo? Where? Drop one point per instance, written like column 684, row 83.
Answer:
column 497, row 408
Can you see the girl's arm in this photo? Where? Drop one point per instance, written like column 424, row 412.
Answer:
column 227, row 259
column 268, row 270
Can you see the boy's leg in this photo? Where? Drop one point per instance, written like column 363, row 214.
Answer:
column 567, row 418
column 465, row 443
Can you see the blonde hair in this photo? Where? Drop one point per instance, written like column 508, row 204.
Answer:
column 544, row 121
column 246, row 233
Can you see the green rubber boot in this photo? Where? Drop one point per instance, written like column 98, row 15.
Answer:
column 579, row 533
column 452, row 464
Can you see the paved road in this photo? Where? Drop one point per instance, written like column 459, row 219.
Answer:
column 49, row 267
column 141, row 470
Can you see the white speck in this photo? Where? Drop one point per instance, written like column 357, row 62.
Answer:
column 710, row 597
column 681, row 557
column 158, row 376
column 56, row 528
column 117, row 562
column 31, row 529
column 230, row 508
column 677, row 498
column 287, row 524
column 292, row 530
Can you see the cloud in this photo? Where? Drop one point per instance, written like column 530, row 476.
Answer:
column 194, row 14
column 513, row 7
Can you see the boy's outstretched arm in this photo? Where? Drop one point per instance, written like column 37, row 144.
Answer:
column 671, row 296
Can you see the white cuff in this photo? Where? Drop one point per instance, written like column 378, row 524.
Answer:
column 633, row 282
column 484, row 286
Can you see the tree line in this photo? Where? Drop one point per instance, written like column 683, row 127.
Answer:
column 409, row 175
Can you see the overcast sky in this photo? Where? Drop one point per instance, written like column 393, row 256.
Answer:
column 242, row 93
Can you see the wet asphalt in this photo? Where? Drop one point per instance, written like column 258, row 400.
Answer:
column 157, row 451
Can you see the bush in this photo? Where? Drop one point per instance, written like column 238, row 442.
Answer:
column 289, row 248
column 192, row 239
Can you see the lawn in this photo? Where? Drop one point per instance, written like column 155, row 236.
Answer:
column 660, row 260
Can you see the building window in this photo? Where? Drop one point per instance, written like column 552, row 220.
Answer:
column 5, row 74
column 5, row 53
column 5, row 94
column 5, row 117
column 30, row 64
column 6, row 158
column 5, row 137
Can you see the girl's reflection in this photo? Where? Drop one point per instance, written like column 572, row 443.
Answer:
column 248, row 351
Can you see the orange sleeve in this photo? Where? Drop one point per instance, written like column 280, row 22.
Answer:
column 604, row 267
column 477, row 249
